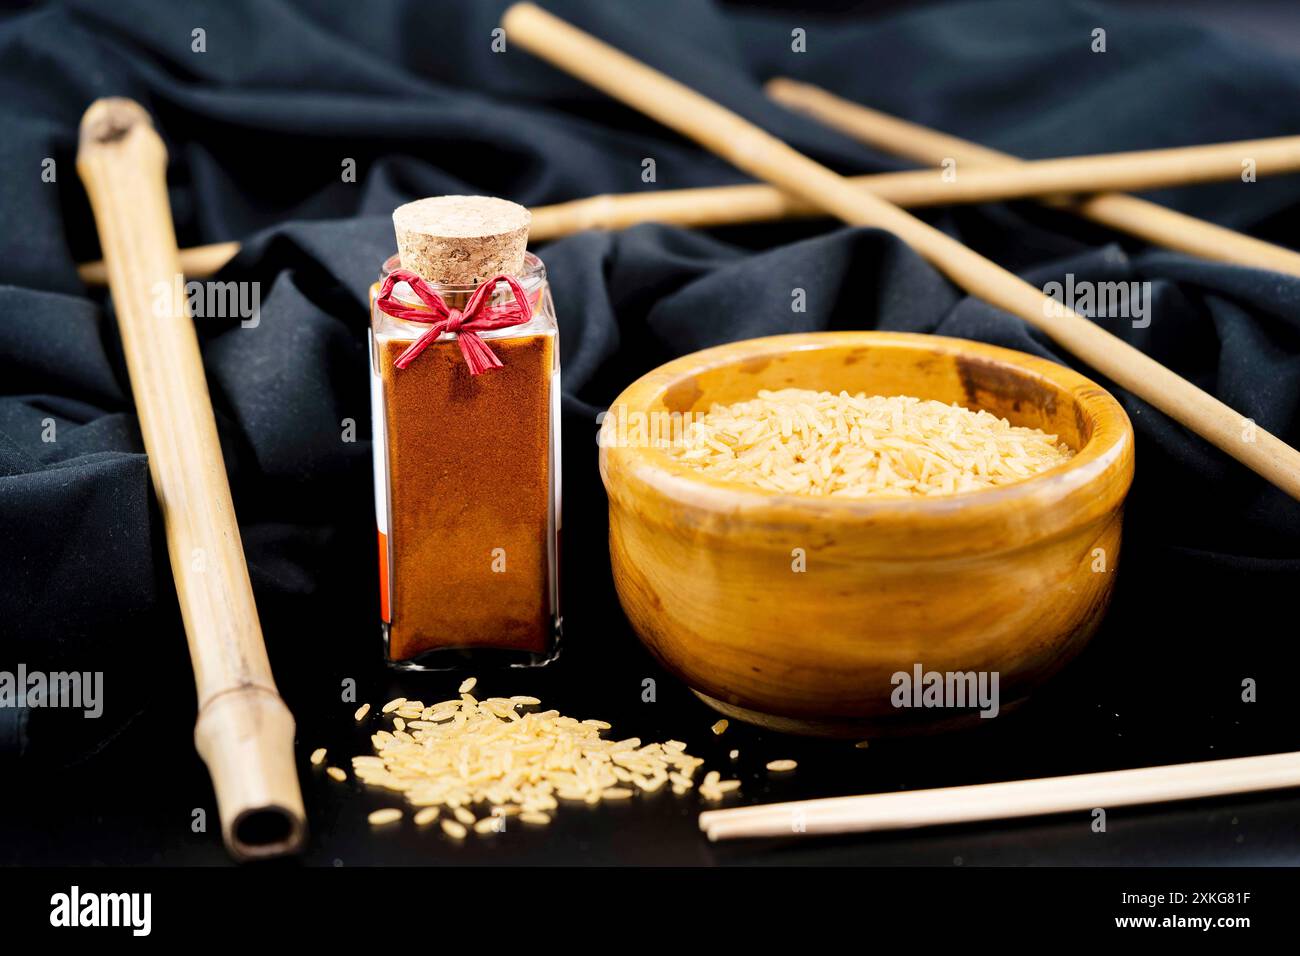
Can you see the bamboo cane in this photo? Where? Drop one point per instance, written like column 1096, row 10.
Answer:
column 766, row 157
column 735, row 205
column 244, row 730
column 1138, row 217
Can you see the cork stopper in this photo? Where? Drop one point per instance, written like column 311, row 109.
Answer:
column 462, row 240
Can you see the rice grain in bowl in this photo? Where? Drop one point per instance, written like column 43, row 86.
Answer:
column 797, row 610
column 800, row 441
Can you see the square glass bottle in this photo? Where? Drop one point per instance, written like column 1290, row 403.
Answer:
column 467, row 481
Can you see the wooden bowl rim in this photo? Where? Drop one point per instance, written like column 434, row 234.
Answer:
column 1109, row 450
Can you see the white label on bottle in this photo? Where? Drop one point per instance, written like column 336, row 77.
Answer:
column 378, row 448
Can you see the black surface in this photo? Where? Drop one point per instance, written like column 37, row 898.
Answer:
column 257, row 129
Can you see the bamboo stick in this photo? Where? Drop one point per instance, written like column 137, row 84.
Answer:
column 197, row 262
column 766, row 157
column 729, row 205
column 1146, row 220
column 244, row 730
column 1002, row 801
column 734, row 205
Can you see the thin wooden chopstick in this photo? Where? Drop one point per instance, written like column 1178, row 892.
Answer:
column 766, row 157
column 733, row 205
column 1121, row 172
column 197, row 262
column 730, row 205
column 1147, row 220
column 1003, row 801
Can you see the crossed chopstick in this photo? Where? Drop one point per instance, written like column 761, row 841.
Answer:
column 763, row 155
column 1102, row 203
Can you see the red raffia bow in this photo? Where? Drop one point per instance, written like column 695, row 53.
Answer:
column 465, row 323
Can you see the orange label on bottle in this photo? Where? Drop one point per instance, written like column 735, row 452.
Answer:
column 384, row 611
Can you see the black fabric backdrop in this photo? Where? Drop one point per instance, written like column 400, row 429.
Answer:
column 258, row 128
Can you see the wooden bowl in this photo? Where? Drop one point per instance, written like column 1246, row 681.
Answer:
column 1009, row 581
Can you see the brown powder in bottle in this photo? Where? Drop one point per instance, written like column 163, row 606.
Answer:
column 469, row 460
column 466, row 563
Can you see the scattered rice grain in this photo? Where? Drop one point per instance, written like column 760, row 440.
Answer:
column 471, row 757
column 464, row 816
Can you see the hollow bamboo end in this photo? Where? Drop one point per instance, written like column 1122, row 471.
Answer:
column 111, row 119
column 246, row 739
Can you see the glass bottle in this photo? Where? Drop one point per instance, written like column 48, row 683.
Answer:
column 467, row 481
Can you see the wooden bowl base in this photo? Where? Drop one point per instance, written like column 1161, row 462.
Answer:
column 864, row 729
